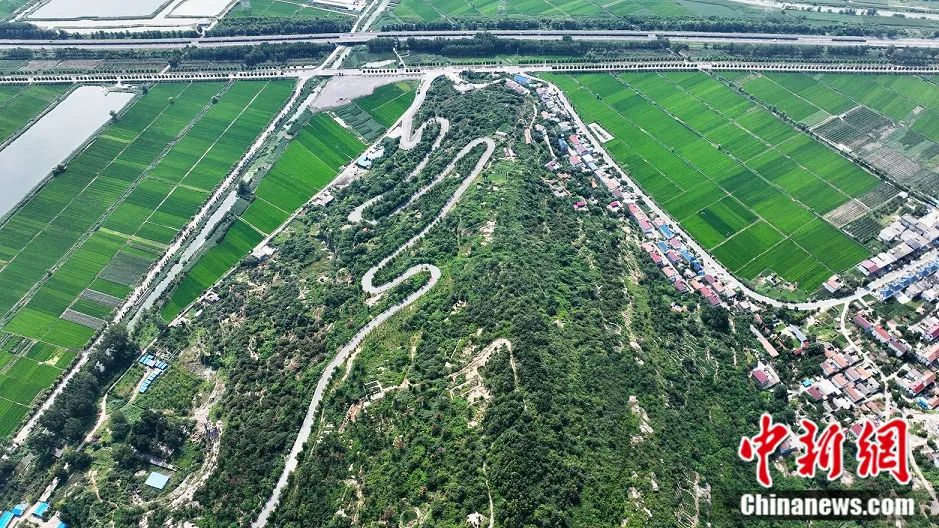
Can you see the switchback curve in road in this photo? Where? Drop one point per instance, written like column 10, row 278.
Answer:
column 408, row 139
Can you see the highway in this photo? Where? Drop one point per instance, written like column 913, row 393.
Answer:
column 359, row 37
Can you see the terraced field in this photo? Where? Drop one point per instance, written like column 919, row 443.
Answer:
column 308, row 164
column 747, row 186
column 21, row 104
column 892, row 121
column 71, row 254
column 370, row 116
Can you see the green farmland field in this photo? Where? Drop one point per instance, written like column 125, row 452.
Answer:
column 812, row 98
column 846, row 109
column 388, row 102
column 370, row 116
column 433, row 10
column 475, row 10
column 747, row 186
column 280, row 9
column 103, row 222
column 308, row 164
column 21, row 104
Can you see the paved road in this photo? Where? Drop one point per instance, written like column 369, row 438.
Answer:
column 358, row 37
column 409, row 138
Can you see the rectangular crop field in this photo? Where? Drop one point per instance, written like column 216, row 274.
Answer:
column 742, row 182
column 281, row 9
column 442, row 10
column 810, row 98
column 434, row 10
column 102, row 223
column 309, row 163
column 370, row 116
column 388, row 102
column 21, row 104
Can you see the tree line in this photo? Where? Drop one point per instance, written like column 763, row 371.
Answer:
column 487, row 45
column 768, row 24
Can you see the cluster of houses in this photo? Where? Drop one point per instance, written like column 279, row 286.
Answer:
column 518, row 84
column 844, row 384
column 580, row 156
column 676, row 261
column 920, row 282
column 155, row 367
column 574, row 148
column 883, row 336
column 550, row 102
column 16, row 516
column 927, row 328
column 914, row 234
column 915, row 381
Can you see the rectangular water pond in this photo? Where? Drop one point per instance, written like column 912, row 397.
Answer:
column 71, row 9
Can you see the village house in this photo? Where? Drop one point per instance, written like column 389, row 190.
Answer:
column 764, row 376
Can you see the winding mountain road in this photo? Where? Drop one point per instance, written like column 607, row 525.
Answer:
column 409, row 139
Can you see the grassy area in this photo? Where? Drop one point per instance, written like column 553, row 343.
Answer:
column 106, row 219
column 21, row 104
column 747, row 186
column 308, row 164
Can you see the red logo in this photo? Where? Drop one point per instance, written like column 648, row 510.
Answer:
column 761, row 446
column 884, row 450
column 880, row 449
column 821, row 451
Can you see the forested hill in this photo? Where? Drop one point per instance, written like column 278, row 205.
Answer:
column 546, row 428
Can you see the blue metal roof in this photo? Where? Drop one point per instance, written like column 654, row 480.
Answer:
column 41, row 509
column 5, row 519
column 157, row 480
